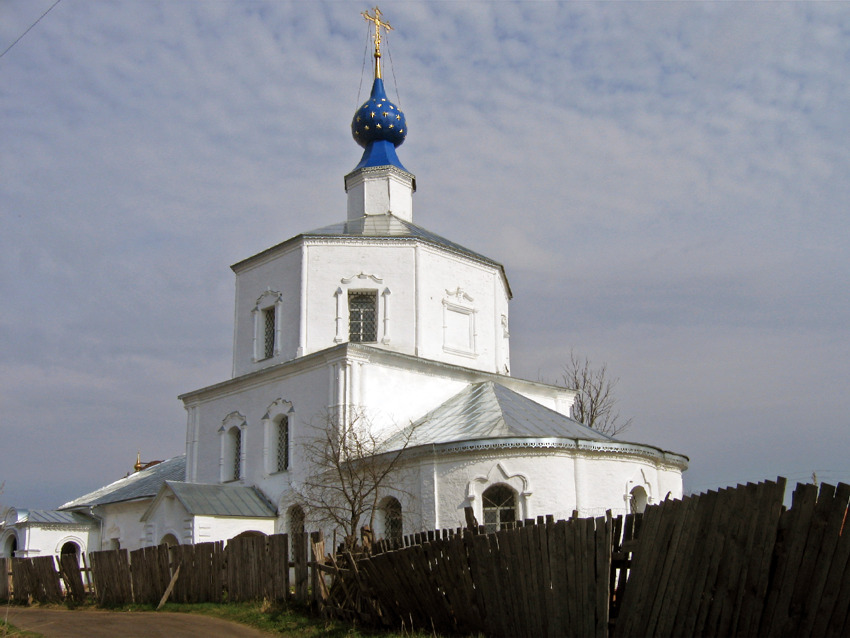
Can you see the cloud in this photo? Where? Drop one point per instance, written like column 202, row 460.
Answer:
column 665, row 183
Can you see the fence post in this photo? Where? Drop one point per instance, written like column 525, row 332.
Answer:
column 300, row 560
column 317, row 555
column 5, row 579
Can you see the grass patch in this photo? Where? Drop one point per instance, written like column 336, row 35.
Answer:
column 8, row 629
column 292, row 621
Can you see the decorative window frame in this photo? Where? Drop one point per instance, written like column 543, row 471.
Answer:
column 277, row 411
column 384, row 521
column 382, row 306
column 233, row 421
column 462, row 303
column 639, row 479
column 498, row 474
column 268, row 300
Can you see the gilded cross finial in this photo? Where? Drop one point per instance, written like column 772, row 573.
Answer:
column 376, row 19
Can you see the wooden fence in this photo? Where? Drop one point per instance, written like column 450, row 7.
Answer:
column 735, row 563
column 732, row 562
column 247, row 568
column 542, row 579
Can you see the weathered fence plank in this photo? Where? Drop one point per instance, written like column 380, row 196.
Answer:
column 5, row 579
column 69, row 569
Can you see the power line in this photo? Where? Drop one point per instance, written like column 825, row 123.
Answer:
column 20, row 37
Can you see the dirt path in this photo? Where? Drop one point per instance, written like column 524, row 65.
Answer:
column 61, row 623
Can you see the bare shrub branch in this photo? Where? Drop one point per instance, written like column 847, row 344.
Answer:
column 352, row 467
column 595, row 404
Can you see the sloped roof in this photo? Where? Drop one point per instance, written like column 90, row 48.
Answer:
column 203, row 499
column 391, row 226
column 488, row 410
column 143, row 484
column 54, row 517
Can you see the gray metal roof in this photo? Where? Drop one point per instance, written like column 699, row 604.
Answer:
column 143, row 484
column 391, row 226
column 55, row 517
column 202, row 499
column 491, row 411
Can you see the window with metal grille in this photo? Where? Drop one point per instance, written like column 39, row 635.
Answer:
column 296, row 530
column 236, row 433
column 268, row 332
column 499, row 504
column 362, row 316
column 392, row 520
column 282, row 448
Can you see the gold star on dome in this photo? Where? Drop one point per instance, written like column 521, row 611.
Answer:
column 366, row 127
column 372, row 113
column 392, row 125
column 398, row 117
column 385, row 114
column 377, row 126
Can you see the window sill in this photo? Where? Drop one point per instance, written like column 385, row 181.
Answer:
column 463, row 353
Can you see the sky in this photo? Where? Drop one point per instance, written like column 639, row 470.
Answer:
column 667, row 185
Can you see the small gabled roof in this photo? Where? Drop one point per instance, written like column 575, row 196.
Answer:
column 488, row 410
column 143, row 484
column 204, row 499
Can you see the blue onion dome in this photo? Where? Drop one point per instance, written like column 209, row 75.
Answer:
column 379, row 127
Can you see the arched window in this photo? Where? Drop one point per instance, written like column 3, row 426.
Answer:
column 232, row 432
column 393, row 524
column 235, row 435
column 638, row 500
column 170, row 540
column 281, row 443
column 70, row 548
column 267, row 325
column 499, row 505
column 295, row 523
column 11, row 546
column 276, row 426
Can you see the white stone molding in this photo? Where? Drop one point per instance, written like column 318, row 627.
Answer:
column 498, row 475
column 278, row 408
column 228, row 423
column 639, row 479
column 459, row 294
column 460, row 332
column 381, row 313
column 362, row 275
column 339, row 295
column 386, row 296
column 79, row 542
column 270, row 298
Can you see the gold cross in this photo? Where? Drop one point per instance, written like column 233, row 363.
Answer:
column 376, row 19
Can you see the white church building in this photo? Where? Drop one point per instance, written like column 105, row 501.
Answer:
column 375, row 323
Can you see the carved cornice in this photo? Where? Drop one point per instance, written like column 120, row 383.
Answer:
column 460, row 294
column 276, row 295
column 362, row 275
column 584, row 448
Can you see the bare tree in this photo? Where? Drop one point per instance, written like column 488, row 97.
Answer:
column 595, row 404
column 351, row 469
